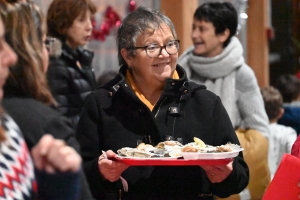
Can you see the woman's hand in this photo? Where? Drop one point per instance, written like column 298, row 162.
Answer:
column 52, row 155
column 110, row 170
column 217, row 174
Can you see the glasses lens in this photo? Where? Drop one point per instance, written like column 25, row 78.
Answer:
column 172, row 47
column 153, row 50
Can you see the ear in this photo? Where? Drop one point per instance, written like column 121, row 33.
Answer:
column 126, row 57
column 281, row 112
column 224, row 36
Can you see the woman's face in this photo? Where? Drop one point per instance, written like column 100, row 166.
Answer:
column 7, row 59
column 80, row 31
column 206, row 42
column 153, row 70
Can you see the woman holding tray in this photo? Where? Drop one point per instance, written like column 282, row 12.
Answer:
column 150, row 98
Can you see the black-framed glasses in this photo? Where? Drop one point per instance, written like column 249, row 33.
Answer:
column 154, row 50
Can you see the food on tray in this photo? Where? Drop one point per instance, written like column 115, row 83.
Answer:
column 169, row 144
column 199, row 142
column 134, row 152
column 190, row 149
column 224, row 148
column 144, row 146
column 174, row 149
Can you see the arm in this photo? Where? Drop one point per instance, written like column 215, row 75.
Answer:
column 58, row 81
column 89, row 137
column 290, row 137
column 250, row 102
column 57, row 169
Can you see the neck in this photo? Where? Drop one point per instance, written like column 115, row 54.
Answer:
column 74, row 47
column 152, row 92
column 273, row 121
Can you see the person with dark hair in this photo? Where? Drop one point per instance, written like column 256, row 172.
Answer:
column 281, row 137
column 216, row 60
column 30, row 103
column 136, row 105
column 289, row 87
column 70, row 74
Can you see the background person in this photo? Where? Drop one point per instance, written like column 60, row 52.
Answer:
column 135, row 104
column 27, row 98
column 70, row 74
column 15, row 155
column 281, row 137
column 289, row 87
column 216, row 60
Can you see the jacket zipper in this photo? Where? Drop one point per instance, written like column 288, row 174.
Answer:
column 159, row 107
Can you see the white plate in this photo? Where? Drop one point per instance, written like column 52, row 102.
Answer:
column 210, row 156
column 154, row 158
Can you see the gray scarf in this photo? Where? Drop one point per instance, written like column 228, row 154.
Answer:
column 217, row 73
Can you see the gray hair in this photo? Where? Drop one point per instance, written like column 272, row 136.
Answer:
column 135, row 24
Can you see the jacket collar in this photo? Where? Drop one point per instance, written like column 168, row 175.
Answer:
column 173, row 87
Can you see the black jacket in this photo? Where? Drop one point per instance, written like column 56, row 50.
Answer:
column 68, row 83
column 114, row 117
column 36, row 119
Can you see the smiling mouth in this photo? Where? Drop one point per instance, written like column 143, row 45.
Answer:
column 162, row 64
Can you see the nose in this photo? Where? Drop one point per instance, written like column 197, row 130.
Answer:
column 89, row 25
column 164, row 52
column 195, row 33
column 9, row 57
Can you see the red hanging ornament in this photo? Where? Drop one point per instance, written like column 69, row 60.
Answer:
column 111, row 20
column 132, row 5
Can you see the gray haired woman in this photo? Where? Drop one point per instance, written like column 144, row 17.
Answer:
column 136, row 106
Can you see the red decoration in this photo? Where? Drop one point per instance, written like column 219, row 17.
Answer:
column 132, row 5
column 111, row 20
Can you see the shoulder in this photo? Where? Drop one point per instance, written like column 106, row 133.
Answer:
column 184, row 57
column 282, row 129
column 245, row 78
column 28, row 109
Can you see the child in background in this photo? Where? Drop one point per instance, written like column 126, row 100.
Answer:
column 289, row 87
column 281, row 137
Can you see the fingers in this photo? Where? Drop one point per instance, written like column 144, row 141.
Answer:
column 110, row 169
column 40, row 150
column 217, row 174
column 110, row 154
column 54, row 155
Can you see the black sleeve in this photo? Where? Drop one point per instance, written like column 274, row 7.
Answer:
column 60, row 128
column 58, row 80
column 87, row 135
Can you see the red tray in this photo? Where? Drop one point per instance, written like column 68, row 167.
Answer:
column 170, row 161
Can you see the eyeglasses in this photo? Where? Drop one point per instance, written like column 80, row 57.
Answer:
column 154, row 50
column 49, row 43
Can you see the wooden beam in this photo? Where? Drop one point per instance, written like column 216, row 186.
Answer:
column 181, row 13
column 257, row 41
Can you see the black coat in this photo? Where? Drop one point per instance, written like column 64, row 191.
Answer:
column 36, row 119
column 114, row 117
column 70, row 84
